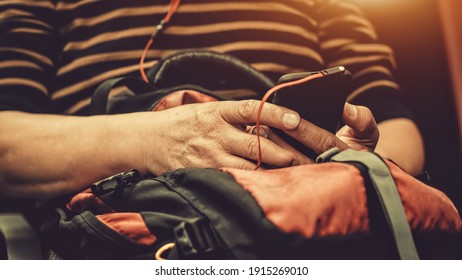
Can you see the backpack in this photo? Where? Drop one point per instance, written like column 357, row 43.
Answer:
column 350, row 205
column 343, row 208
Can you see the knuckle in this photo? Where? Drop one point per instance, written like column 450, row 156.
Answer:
column 213, row 112
column 328, row 143
column 247, row 109
column 274, row 112
column 305, row 132
column 251, row 147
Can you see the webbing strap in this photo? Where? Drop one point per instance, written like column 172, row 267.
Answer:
column 388, row 195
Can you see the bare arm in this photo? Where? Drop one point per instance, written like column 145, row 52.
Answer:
column 43, row 156
column 48, row 155
column 400, row 141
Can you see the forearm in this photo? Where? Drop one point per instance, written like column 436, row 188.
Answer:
column 46, row 155
column 400, row 141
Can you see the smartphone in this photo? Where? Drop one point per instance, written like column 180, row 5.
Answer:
column 319, row 101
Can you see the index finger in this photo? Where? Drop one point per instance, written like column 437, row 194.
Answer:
column 317, row 139
column 246, row 111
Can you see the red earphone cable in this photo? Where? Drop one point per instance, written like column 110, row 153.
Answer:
column 174, row 4
column 143, row 57
column 265, row 98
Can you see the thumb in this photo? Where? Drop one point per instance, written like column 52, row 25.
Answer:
column 360, row 119
column 246, row 111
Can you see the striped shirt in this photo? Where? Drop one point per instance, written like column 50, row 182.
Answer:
column 53, row 54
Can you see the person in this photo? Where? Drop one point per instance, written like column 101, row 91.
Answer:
column 55, row 53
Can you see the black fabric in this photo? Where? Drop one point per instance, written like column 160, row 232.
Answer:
column 211, row 70
column 89, row 238
column 385, row 104
column 134, row 100
column 31, row 103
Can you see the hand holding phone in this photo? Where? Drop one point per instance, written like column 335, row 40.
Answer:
column 319, row 101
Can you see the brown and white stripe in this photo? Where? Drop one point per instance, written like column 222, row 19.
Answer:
column 64, row 49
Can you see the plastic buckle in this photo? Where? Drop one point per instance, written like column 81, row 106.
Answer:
column 116, row 183
column 196, row 239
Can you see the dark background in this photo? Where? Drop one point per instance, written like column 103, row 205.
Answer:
column 413, row 29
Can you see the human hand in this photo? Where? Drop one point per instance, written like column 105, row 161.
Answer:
column 360, row 131
column 212, row 135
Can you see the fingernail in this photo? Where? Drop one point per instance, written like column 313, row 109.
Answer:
column 350, row 110
column 291, row 120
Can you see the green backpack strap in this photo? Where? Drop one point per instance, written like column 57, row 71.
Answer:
column 387, row 193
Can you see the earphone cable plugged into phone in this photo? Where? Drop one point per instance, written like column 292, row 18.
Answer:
column 271, row 92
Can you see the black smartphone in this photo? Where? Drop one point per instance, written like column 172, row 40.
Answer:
column 319, row 101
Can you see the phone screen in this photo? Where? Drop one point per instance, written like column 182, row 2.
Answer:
column 319, row 101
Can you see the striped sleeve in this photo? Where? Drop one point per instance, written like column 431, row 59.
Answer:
column 28, row 50
column 348, row 38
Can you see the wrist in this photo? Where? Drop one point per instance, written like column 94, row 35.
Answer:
column 133, row 139
column 117, row 142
